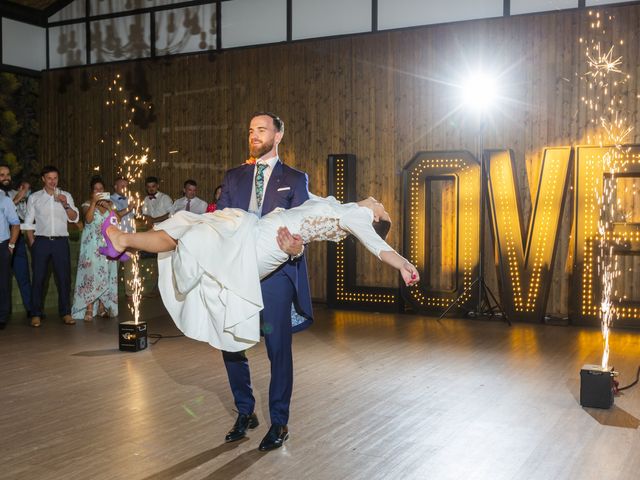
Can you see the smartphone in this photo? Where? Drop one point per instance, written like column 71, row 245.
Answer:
column 104, row 196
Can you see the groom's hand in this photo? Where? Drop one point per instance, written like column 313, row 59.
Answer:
column 292, row 245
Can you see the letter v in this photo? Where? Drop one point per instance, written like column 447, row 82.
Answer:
column 525, row 268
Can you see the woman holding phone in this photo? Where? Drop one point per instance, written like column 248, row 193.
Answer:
column 96, row 290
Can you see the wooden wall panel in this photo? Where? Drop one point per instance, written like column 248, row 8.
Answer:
column 381, row 96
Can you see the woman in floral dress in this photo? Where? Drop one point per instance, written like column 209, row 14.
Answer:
column 96, row 290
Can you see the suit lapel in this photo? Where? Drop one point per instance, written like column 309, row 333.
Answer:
column 270, row 196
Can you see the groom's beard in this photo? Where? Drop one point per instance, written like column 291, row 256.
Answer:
column 257, row 151
column 6, row 186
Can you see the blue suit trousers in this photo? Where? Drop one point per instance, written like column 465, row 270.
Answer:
column 20, row 266
column 275, row 320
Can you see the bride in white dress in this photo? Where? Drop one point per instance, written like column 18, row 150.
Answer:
column 210, row 265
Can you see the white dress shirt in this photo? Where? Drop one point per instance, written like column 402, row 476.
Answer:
column 21, row 206
column 158, row 206
column 253, row 204
column 47, row 216
column 196, row 206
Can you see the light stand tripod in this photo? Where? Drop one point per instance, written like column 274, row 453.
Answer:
column 488, row 305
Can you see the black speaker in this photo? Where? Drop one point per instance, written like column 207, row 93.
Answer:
column 596, row 386
column 132, row 336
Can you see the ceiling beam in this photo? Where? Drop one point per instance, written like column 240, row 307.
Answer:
column 56, row 7
column 24, row 14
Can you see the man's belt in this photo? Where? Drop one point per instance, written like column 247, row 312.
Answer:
column 51, row 237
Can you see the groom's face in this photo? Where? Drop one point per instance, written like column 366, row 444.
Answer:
column 263, row 136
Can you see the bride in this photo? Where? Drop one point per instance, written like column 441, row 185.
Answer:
column 210, row 265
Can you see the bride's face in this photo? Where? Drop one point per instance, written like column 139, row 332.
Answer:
column 379, row 213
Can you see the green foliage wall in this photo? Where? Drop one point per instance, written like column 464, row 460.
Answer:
column 19, row 127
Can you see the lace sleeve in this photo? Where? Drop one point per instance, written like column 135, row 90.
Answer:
column 318, row 229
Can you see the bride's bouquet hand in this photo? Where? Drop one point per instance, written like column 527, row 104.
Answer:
column 409, row 274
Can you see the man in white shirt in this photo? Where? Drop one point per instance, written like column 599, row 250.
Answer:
column 189, row 202
column 9, row 231
column 45, row 224
column 156, row 206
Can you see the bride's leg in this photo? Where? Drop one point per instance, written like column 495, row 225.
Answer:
column 154, row 241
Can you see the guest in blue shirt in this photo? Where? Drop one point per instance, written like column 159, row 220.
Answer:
column 9, row 231
column 125, row 209
column 20, row 260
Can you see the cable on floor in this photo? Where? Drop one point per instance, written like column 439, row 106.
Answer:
column 159, row 336
column 619, row 389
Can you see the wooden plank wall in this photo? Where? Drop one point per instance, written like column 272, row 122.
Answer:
column 382, row 96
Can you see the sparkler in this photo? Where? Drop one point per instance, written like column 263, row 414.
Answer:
column 605, row 78
column 131, row 166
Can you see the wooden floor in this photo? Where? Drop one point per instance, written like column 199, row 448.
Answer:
column 376, row 397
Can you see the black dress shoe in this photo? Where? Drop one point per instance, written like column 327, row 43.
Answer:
column 239, row 429
column 274, row 438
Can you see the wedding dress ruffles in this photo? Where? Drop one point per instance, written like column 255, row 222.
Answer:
column 210, row 284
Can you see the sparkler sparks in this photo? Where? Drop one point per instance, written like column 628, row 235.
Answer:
column 605, row 80
column 131, row 166
column 602, row 65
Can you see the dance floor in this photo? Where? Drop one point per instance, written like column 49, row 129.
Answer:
column 376, row 396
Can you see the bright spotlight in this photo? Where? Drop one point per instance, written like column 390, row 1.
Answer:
column 479, row 91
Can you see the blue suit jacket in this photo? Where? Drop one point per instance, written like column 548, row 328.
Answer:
column 236, row 193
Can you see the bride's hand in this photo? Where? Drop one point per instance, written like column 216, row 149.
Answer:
column 409, row 274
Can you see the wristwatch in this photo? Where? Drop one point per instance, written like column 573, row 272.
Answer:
column 12, row 246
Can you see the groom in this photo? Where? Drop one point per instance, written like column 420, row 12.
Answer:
column 259, row 188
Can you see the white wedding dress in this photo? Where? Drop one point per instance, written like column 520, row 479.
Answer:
column 210, row 284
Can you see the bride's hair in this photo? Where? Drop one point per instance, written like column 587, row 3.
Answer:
column 382, row 228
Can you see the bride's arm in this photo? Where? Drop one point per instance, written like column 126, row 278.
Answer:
column 409, row 273
column 358, row 223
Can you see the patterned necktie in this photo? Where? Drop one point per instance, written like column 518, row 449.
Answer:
column 261, row 167
column 188, row 209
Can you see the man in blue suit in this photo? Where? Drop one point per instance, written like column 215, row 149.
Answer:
column 259, row 188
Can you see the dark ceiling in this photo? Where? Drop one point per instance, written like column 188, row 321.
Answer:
column 31, row 11
column 37, row 4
